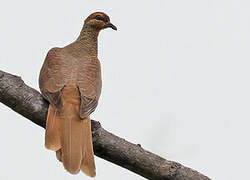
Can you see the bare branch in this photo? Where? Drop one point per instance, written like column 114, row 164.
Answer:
column 28, row 102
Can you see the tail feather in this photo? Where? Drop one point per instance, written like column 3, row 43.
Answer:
column 52, row 134
column 88, row 163
column 59, row 155
column 71, row 138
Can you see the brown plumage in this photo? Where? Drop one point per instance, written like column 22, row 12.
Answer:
column 70, row 79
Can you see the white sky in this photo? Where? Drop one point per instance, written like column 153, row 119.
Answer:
column 175, row 79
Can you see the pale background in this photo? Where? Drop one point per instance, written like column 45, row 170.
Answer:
column 175, row 79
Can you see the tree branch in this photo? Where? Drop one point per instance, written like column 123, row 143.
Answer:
column 28, row 102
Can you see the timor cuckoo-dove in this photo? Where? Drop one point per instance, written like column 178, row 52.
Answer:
column 70, row 79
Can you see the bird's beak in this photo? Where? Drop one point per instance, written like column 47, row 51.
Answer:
column 109, row 24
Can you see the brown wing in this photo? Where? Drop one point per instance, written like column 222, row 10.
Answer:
column 89, row 84
column 51, row 79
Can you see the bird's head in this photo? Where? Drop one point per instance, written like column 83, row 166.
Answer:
column 99, row 21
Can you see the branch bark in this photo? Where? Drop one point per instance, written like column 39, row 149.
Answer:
column 28, row 102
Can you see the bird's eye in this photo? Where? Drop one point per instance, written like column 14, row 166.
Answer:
column 98, row 17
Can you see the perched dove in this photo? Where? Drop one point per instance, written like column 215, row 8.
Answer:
column 70, row 79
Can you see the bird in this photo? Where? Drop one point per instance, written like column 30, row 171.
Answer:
column 70, row 80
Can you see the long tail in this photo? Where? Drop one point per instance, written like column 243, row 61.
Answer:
column 52, row 135
column 71, row 138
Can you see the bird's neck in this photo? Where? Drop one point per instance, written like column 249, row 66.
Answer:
column 88, row 40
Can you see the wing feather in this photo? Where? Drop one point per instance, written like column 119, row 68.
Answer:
column 89, row 84
column 51, row 79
